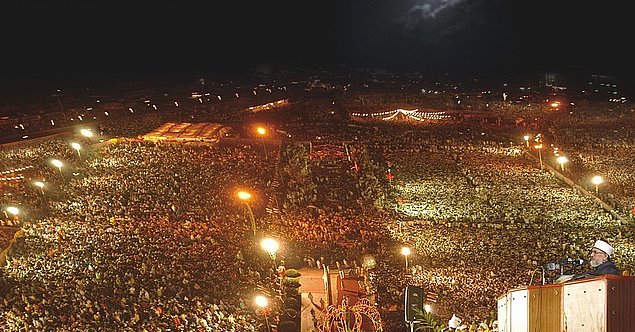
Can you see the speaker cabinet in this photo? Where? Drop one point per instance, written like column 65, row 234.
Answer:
column 414, row 298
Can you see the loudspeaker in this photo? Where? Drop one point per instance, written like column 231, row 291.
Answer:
column 413, row 304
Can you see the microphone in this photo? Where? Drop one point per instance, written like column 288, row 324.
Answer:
column 574, row 262
column 552, row 266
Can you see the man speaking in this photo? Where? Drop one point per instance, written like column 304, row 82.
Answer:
column 600, row 261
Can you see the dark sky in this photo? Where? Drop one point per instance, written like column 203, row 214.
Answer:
column 48, row 38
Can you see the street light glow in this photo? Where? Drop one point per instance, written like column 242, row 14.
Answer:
column 77, row 147
column 39, row 184
column 405, row 251
column 262, row 131
column 262, row 301
column 57, row 163
column 562, row 160
column 270, row 245
column 243, row 195
column 86, row 132
column 597, row 180
column 13, row 210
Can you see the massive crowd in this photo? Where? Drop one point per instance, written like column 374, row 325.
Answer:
column 602, row 143
column 135, row 240
column 135, row 235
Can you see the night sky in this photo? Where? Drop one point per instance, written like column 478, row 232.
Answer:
column 50, row 38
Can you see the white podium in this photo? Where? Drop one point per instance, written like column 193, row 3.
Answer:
column 600, row 304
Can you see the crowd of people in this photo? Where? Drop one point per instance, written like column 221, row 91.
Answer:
column 136, row 235
column 602, row 144
column 463, row 194
column 135, row 240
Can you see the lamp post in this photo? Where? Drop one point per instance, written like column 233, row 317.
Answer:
column 405, row 251
column 597, row 180
column 14, row 211
column 77, row 147
column 562, row 160
column 526, row 137
column 262, row 132
column 58, row 163
column 539, row 148
column 271, row 246
column 86, row 132
column 245, row 197
column 40, row 185
column 263, row 303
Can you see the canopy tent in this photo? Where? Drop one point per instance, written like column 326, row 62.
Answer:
column 185, row 131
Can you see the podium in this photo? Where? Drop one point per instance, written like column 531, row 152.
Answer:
column 532, row 308
column 600, row 304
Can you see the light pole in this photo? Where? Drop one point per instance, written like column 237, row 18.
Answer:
column 58, row 163
column 562, row 160
column 526, row 137
column 14, row 211
column 263, row 303
column 597, row 180
column 77, row 147
column 40, row 185
column 245, row 197
column 262, row 132
column 86, row 132
column 405, row 251
column 271, row 246
column 539, row 148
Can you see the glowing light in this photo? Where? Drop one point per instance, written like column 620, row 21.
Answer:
column 562, row 160
column 597, row 180
column 86, row 132
column 243, row 195
column 13, row 210
column 57, row 163
column 270, row 245
column 261, row 301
